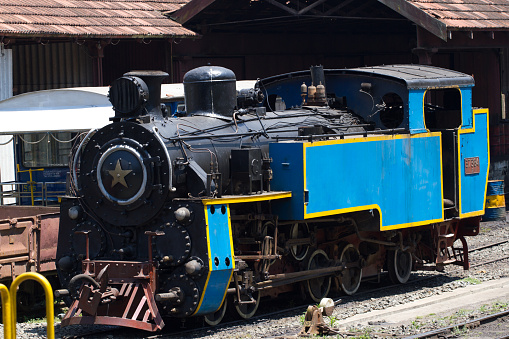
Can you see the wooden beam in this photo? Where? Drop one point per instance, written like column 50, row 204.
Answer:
column 358, row 9
column 283, row 7
column 189, row 10
column 417, row 16
column 338, row 7
column 310, row 7
column 460, row 40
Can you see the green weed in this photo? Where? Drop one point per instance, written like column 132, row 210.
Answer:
column 471, row 281
column 416, row 324
column 333, row 320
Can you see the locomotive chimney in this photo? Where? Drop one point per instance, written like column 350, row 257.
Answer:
column 318, row 80
column 317, row 75
column 210, row 90
column 137, row 93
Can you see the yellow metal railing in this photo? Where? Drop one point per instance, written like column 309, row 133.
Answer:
column 9, row 304
column 31, row 182
column 6, row 311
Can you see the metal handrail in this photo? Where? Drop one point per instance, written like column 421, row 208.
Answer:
column 6, row 314
column 41, row 192
column 9, row 304
column 50, row 312
column 55, row 194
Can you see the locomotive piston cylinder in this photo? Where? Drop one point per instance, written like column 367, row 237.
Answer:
column 174, row 296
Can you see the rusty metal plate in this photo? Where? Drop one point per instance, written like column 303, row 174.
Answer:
column 472, row 166
column 120, row 271
column 48, row 237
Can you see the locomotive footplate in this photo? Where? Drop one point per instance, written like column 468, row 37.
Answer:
column 122, row 295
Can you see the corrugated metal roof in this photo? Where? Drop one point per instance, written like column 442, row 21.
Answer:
column 442, row 16
column 91, row 18
column 467, row 14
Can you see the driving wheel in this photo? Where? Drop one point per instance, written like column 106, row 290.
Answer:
column 350, row 278
column 215, row 318
column 399, row 266
column 318, row 288
column 249, row 305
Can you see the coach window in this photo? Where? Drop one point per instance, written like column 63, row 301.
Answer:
column 46, row 149
column 442, row 108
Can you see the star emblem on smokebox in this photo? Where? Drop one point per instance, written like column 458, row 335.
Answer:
column 119, row 174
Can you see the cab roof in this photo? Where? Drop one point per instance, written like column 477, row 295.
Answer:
column 418, row 76
column 411, row 76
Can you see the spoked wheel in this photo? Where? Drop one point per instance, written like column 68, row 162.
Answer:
column 298, row 231
column 399, row 266
column 350, row 278
column 215, row 318
column 247, row 310
column 318, row 288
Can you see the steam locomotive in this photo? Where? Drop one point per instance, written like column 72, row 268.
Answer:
column 310, row 181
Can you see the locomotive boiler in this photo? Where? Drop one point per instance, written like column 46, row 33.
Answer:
column 307, row 182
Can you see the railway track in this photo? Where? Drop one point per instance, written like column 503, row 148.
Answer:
column 497, row 243
column 446, row 332
column 292, row 311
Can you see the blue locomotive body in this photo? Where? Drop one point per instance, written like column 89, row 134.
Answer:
column 400, row 177
column 308, row 178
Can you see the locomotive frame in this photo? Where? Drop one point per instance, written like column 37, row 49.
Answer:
column 242, row 198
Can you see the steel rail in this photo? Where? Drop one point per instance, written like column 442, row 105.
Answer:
column 476, row 322
column 488, row 246
column 489, row 261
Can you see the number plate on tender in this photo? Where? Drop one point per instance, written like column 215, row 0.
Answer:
column 472, row 166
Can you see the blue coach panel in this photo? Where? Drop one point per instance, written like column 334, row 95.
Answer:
column 473, row 165
column 221, row 258
column 416, row 110
column 288, row 174
column 400, row 176
column 466, row 111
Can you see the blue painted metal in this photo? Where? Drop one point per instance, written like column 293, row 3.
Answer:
column 398, row 175
column 495, row 187
column 474, row 143
column 287, row 168
column 495, row 201
column 416, row 111
column 495, row 213
column 54, row 178
column 344, row 85
column 410, row 82
column 414, row 165
column 466, row 107
column 221, row 258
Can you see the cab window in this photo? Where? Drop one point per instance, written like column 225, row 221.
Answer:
column 442, row 108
